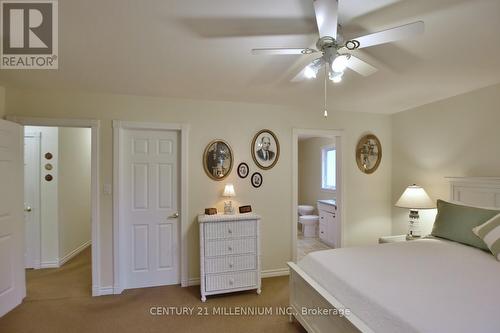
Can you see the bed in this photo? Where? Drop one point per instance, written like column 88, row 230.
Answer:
column 427, row 285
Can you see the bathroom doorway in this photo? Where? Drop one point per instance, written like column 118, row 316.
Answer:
column 317, row 191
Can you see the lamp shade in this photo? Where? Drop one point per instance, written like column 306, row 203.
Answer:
column 415, row 197
column 229, row 191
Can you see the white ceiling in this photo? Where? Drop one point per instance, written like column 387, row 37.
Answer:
column 200, row 49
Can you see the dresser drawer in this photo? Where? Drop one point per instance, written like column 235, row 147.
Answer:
column 230, row 263
column 231, row 280
column 230, row 246
column 230, row 229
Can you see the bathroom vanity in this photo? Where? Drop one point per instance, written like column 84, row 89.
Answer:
column 329, row 224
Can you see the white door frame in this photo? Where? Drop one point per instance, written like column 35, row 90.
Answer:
column 337, row 135
column 94, row 125
column 118, row 129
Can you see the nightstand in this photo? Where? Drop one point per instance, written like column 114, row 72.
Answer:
column 229, row 253
column 392, row 239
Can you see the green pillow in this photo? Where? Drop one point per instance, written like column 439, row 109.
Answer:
column 455, row 222
column 489, row 232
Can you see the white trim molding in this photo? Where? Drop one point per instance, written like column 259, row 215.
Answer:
column 102, row 291
column 50, row 264
column 118, row 127
column 74, row 253
column 340, row 194
column 94, row 125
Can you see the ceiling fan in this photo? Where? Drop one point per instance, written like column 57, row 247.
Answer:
column 336, row 56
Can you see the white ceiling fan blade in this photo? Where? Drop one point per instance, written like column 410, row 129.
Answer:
column 360, row 66
column 391, row 35
column 282, row 51
column 326, row 17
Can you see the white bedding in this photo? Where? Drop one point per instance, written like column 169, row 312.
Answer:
column 427, row 285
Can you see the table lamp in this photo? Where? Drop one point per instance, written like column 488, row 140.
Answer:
column 414, row 198
column 228, row 193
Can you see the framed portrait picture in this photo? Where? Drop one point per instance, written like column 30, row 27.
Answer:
column 218, row 159
column 368, row 153
column 243, row 170
column 265, row 149
column 256, row 180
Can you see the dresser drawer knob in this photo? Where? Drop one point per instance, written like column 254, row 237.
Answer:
column 231, row 282
column 230, row 265
column 230, row 231
column 229, row 248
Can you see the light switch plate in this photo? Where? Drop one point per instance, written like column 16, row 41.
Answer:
column 108, row 190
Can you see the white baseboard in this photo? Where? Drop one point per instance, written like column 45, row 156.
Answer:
column 275, row 272
column 193, row 282
column 264, row 274
column 101, row 291
column 73, row 253
column 50, row 264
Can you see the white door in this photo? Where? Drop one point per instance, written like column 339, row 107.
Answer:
column 150, row 205
column 12, row 279
column 32, row 199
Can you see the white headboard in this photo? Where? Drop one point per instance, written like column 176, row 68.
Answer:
column 476, row 191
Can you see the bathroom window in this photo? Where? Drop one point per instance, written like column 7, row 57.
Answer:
column 329, row 168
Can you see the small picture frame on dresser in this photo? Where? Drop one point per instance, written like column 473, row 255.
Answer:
column 245, row 209
column 210, row 211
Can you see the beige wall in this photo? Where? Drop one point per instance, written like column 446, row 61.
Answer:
column 367, row 200
column 455, row 137
column 74, row 189
column 310, row 171
column 2, row 102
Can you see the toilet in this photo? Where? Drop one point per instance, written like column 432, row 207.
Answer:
column 305, row 210
column 308, row 221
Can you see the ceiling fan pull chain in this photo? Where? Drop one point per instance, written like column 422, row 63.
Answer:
column 325, row 114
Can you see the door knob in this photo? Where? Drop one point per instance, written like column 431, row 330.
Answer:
column 27, row 209
column 174, row 216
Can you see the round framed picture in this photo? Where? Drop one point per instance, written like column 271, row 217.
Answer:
column 243, row 170
column 368, row 153
column 256, row 179
column 265, row 149
column 218, row 159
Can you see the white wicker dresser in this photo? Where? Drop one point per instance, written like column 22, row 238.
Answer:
column 229, row 253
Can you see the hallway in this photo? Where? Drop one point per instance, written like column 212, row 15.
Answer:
column 73, row 279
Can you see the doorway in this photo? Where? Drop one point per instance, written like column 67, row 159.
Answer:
column 150, row 208
column 57, row 205
column 317, row 194
column 92, row 251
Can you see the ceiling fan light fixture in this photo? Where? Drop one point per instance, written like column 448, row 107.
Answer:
column 311, row 70
column 339, row 64
column 336, row 77
column 310, row 73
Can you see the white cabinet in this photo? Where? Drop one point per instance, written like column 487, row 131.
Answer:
column 229, row 253
column 329, row 224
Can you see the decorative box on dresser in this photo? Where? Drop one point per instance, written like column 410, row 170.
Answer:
column 229, row 253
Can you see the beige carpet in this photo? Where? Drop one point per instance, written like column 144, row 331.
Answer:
column 59, row 300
